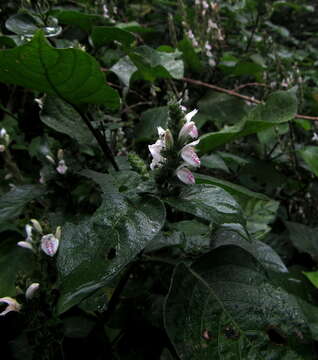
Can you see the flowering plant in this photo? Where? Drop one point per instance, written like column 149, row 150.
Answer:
column 176, row 151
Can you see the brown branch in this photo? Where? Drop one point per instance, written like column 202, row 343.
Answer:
column 250, row 84
column 244, row 97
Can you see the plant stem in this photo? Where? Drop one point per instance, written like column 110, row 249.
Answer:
column 87, row 118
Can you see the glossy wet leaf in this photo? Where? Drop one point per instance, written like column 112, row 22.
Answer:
column 13, row 202
column 71, row 74
column 148, row 64
column 93, row 252
column 26, row 25
column 207, row 306
column 280, row 107
column 62, row 117
column 211, row 203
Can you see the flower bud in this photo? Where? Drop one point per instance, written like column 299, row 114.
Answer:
column 51, row 160
column 13, row 305
column 58, row 232
column 3, row 132
column 185, row 175
column 49, row 244
column 25, row 245
column 60, row 154
column 168, row 140
column 30, row 291
column 37, row 226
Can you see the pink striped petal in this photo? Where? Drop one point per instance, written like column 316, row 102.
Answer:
column 185, row 175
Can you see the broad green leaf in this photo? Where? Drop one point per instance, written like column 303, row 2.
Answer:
column 104, row 35
column 258, row 209
column 214, row 161
column 261, row 251
column 79, row 19
column 211, row 203
column 159, row 63
column 14, row 261
column 93, row 252
column 313, row 277
column 61, row 117
column 27, row 25
column 124, row 69
column 224, row 307
column 149, row 64
column 149, row 121
column 221, row 109
column 190, row 57
column 280, row 107
column 310, row 156
column 71, row 74
column 304, row 238
column 13, row 202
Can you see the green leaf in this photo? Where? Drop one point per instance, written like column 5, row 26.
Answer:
column 104, row 35
column 258, row 209
column 27, row 25
column 304, row 238
column 71, row 74
column 79, row 19
column 95, row 251
column 13, row 202
column 189, row 55
column 211, row 203
column 14, row 261
column 62, row 117
column 313, row 277
column 149, row 121
column 280, row 107
column 124, row 69
column 261, row 251
column 310, row 156
column 207, row 306
column 149, row 64
column 214, row 161
column 222, row 109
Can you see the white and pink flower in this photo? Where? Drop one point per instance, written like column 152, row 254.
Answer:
column 12, row 305
column 31, row 290
column 189, row 129
column 185, row 175
column 49, row 244
column 189, row 155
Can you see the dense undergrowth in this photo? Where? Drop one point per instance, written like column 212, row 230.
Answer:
column 159, row 179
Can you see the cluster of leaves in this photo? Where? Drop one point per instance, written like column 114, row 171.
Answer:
column 149, row 267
